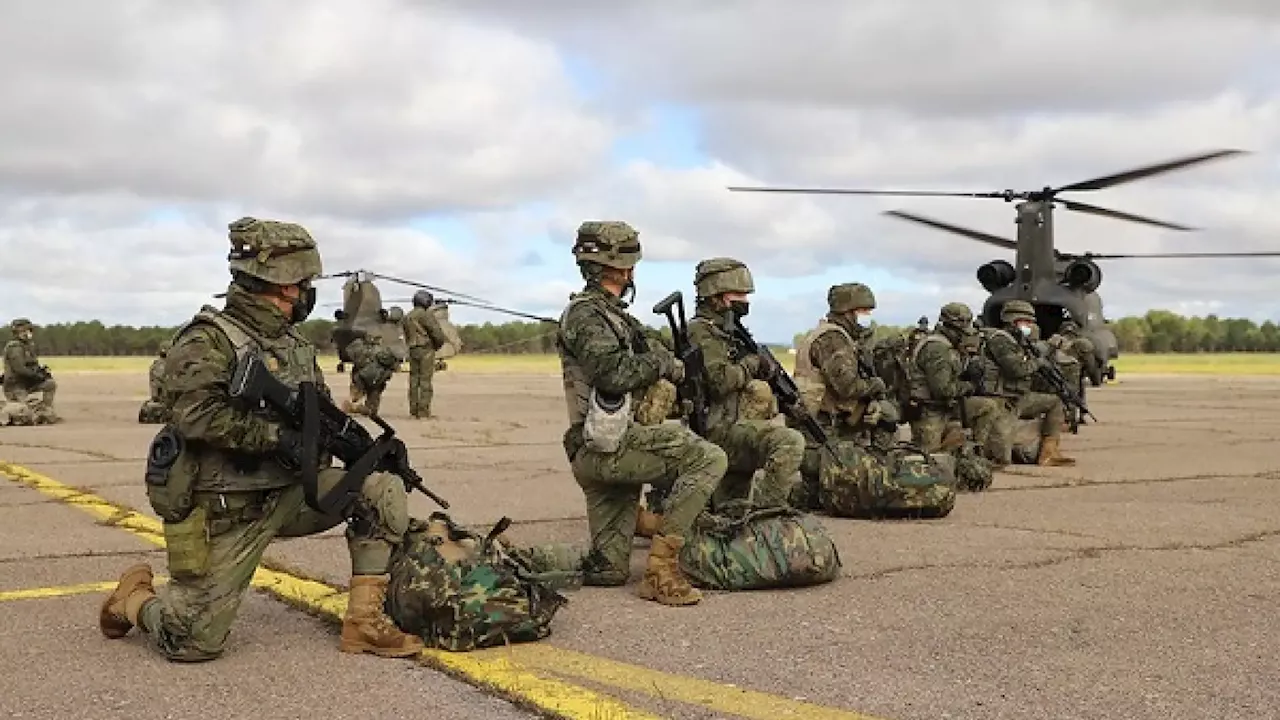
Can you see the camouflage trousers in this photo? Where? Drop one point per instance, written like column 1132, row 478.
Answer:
column 215, row 551
column 805, row 494
column 365, row 399
column 47, row 389
column 1046, row 407
column 752, row 445
column 986, row 416
column 422, row 366
column 667, row 456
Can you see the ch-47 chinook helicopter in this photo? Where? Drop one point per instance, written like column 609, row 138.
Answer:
column 1057, row 284
column 362, row 314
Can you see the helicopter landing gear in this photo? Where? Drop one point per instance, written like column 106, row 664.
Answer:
column 1111, row 373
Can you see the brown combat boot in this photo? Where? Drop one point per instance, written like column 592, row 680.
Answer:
column 1050, row 456
column 662, row 579
column 120, row 610
column 647, row 523
column 366, row 628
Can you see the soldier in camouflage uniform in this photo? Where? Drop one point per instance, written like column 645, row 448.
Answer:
column 23, row 373
column 1070, row 342
column 835, row 375
column 236, row 462
column 423, row 335
column 372, row 366
column 153, row 409
column 1009, row 372
column 740, row 402
column 944, row 377
column 608, row 360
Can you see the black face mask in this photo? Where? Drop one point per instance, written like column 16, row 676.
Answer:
column 739, row 308
column 305, row 303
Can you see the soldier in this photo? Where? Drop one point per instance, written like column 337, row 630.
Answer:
column 356, row 350
column 740, row 403
column 423, row 335
column 1070, row 342
column 237, row 463
column 372, row 367
column 944, row 377
column 153, row 409
column 607, row 360
column 23, row 373
column 1009, row 372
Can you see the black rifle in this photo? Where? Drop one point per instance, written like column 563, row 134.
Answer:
column 1057, row 382
column 324, row 426
column 784, row 389
column 692, row 389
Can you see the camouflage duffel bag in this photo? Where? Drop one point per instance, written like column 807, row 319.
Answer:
column 461, row 591
column 745, row 548
column 971, row 471
column 867, row 483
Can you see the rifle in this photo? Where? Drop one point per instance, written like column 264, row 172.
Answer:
column 1052, row 375
column 324, row 426
column 692, row 388
column 784, row 389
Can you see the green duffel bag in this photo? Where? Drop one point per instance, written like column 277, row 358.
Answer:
column 745, row 548
column 871, row 483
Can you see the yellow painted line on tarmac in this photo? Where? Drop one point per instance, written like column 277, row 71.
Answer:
column 52, row 592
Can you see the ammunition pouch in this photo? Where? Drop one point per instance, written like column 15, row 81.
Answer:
column 170, row 476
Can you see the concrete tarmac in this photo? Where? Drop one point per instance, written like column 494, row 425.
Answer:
column 1142, row 583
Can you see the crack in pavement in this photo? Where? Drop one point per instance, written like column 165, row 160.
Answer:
column 76, row 555
column 37, row 446
column 1082, row 482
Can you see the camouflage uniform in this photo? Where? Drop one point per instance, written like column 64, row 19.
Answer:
column 835, row 376
column 608, row 362
column 372, row 365
column 236, row 460
column 939, row 386
column 423, row 335
column 740, row 403
column 23, row 373
column 1080, row 349
column 1009, row 374
column 153, row 409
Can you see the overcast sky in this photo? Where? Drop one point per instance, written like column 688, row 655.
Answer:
column 462, row 143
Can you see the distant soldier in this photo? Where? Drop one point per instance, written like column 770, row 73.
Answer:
column 1071, row 342
column 423, row 335
column 609, row 361
column 23, row 373
column 372, row 366
column 740, row 403
column 1009, row 374
column 154, row 409
column 944, row 383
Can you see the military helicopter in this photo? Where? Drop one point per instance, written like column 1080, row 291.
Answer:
column 362, row 314
column 1058, row 284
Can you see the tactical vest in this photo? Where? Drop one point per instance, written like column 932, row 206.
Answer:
column 577, row 386
column 290, row 358
column 11, row 379
column 993, row 378
column 414, row 336
column 919, row 386
column 815, row 395
column 723, row 412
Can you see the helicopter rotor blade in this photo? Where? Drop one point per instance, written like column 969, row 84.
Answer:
column 1147, row 171
column 978, row 235
column 843, row 191
column 1118, row 215
column 495, row 308
column 1148, row 256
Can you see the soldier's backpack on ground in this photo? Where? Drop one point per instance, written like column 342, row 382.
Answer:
column 460, row 591
column 868, row 483
column 744, row 548
column 971, row 471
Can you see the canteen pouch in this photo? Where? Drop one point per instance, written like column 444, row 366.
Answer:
column 170, row 477
column 606, row 422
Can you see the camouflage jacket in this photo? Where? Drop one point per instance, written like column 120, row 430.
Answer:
column 602, row 346
column 1010, row 367
column 1079, row 347
column 939, row 364
column 234, row 446
column 422, row 330
column 155, row 377
column 723, row 357
column 836, row 356
column 21, row 366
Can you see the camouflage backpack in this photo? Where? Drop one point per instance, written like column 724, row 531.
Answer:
column 459, row 591
column 869, row 483
column 971, row 472
column 744, row 548
column 894, row 361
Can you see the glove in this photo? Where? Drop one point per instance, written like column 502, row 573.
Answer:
column 876, row 386
column 973, row 369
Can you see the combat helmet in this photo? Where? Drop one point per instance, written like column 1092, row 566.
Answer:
column 276, row 252
column 956, row 315
column 611, row 243
column 848, row 297
column 1017, row 310
column 722, row 275
column 165, row 347
column 423, row 299
column 1068, row 326
column 395, row 314
column 20, row 324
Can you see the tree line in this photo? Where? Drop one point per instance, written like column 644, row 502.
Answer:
column 1158, row 331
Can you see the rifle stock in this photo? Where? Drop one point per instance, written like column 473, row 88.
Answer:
column 692, row 389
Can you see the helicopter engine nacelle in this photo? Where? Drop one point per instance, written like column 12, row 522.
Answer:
column 996, row 274
column 1082, row 275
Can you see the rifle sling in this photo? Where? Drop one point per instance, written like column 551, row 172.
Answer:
column 337, row 502
column 310, row 444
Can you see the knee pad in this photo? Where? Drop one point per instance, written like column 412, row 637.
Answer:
column 385, row 495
